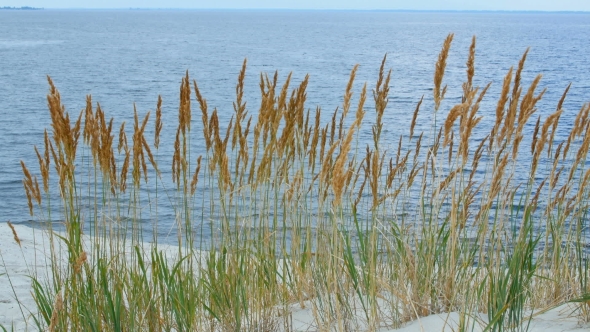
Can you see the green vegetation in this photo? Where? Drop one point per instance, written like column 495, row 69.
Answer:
column 303, row 215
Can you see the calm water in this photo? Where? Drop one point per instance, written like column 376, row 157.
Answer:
column 125, row 57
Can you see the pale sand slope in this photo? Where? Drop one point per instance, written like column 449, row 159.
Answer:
column 20, row 261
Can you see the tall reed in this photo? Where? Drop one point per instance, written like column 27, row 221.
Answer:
column 294, row 209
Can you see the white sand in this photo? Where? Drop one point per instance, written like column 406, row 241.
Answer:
column 20, row 261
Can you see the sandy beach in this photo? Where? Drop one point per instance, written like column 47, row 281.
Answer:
column 20, row 261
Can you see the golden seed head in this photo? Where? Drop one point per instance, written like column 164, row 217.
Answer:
column 195, row 179
column 158, row 128
column 440, row 72
column 15, row 236
column 471, row 64
column 415, row 116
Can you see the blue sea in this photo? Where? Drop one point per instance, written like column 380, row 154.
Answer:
column 129, row 57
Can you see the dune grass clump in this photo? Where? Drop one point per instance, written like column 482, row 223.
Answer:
column 294, row 211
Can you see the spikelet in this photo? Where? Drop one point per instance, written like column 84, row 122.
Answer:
column 436, row 144
column 158, row 127
column 527, row 105
column 446, row 181
column 377, row 166
column 64, row 134
column 469, row 193
column 554, row 128
column 508, row 128
column 92, row 131
column 143, row 167
column 351, row 175
column 239, row 106
column 122, row 137
column 535, row 133
column 470, row 67
column 225, row 174
column 545, row 129
column 360, row 113
column 47, row 148
column 341, row 173
column 73, row 141
column 15, row 236
column 471, row 122
column 562, row 99
column 29, row 187
column 476, row 157
column 227, row 134
column 214, row 132
column 579, row 124
column 399, row 150
column 56, row 111
column 139, row 164
column 307, row 130
column 315, row 139
column 136, row 174
column 585, row 180
column 327, row 163
column 450, row 156
column 195, row 179
column 78, row 264
column 57, row 307
column 89, row 122
column 510, row 120
column 440, row 72
column 184, row 109
column 455, row 112
column 36, row 191
column 583, row 149
column 124, row 170
column 399, row 167
column 360, row 193
column 56, row 159
column 282, row 99
column 348, row 92
column 105, row 150
column 380, row 95
column 368, row 168
column 150, row 156
column 333, row 127
column 204, row 116
column 176, row 162
column 538, row 192
column 414, row 117
column 500, row 108
column 413, row 172
column 497, row 178
column 518, row 74
column 44, row 168
column 418, row 146
column 555, row 178
column 324, row 134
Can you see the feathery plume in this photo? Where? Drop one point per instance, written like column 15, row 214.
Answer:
column 16, row 238
column 414, row 117
column 158, row 127
column 440, row 72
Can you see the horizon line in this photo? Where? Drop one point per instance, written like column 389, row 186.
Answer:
column 25, row 8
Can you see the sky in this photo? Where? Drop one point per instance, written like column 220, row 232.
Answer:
column 543, row 5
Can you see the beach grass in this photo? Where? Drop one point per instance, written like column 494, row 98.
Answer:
column 284, row 209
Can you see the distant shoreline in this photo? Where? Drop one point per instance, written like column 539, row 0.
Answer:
column 20, row 8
